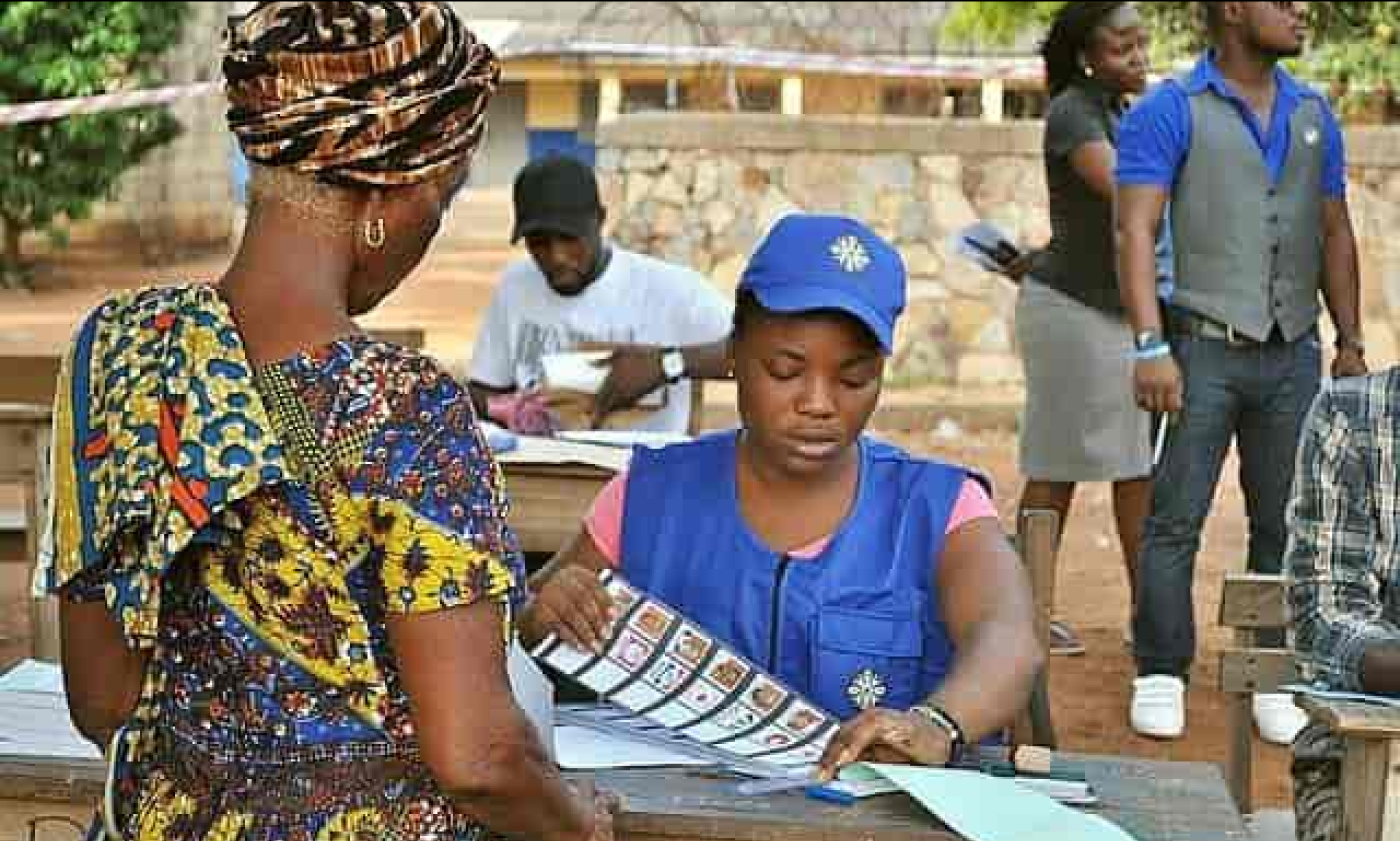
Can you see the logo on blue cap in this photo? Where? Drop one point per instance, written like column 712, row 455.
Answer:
column 850, row 254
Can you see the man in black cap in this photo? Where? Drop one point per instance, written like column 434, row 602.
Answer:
column 667, row 323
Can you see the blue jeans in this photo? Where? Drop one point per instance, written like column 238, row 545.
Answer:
column 1258, row 395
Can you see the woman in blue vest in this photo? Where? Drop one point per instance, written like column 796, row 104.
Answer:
column 876, row 583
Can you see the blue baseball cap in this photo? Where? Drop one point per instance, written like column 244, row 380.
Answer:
column 809, row 262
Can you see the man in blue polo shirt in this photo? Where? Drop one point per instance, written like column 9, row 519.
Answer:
column 1253, row 166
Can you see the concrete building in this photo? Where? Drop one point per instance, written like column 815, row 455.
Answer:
column 569, row 67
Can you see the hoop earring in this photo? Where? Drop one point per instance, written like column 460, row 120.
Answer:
column 374, row 234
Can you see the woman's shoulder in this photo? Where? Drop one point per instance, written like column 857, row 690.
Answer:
column 1074, row 104
column 145, row 307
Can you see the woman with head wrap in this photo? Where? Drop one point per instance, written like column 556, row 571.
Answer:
column 285, row 576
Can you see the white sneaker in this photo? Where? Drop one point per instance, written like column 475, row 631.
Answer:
column 1159, row 706
column 1279, row 720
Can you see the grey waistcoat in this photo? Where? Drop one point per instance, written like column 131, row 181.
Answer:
column 1248, row 251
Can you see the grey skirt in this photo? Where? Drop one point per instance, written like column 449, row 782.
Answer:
column 1080, row 423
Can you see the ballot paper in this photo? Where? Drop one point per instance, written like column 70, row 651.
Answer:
column 533, row 692
column 662, row 666
column 986, row 245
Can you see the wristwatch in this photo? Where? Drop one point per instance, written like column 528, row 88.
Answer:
column 672, row 365
column 1147, row 339
column 940, row 718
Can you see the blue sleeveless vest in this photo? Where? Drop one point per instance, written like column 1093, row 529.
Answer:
column 856, row 626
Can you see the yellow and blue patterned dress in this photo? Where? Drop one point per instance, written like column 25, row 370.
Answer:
column 253, row 528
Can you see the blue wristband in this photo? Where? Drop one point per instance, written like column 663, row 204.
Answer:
column 1156, row 351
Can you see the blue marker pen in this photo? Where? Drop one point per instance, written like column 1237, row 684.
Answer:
column 830, row 795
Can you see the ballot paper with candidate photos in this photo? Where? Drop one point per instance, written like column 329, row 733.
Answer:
column 664, row 667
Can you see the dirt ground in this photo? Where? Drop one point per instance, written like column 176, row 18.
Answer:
column 1089, row 693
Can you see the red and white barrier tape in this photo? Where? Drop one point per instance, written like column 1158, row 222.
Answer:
column 28, row 112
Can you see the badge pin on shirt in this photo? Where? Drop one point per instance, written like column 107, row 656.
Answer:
column 866, row 689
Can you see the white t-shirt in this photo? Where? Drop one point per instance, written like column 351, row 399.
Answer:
column 638, row 300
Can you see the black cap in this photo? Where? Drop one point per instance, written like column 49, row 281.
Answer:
column 556, row 194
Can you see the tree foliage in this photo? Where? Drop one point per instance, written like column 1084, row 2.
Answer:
column 53, row 171
column 1351, row 43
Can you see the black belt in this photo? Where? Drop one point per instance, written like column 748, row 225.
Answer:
column 1195, row 324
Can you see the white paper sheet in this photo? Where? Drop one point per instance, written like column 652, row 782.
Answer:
column 533, row 692
column 585, row 749
column 35, row 725
column 578, row 371
column 532, row 449
column 626, row 438
column 33, row 676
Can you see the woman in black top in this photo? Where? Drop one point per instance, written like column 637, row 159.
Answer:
column 1081, row 424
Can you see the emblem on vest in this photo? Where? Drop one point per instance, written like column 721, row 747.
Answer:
column 866, row 689
column 1311, row 136
column 849, row 254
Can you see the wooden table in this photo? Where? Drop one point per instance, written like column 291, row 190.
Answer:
column 1153, row 801
column 1370, row 765
column 548, row 501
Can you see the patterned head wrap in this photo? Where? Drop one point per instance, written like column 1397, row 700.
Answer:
column 358, row 93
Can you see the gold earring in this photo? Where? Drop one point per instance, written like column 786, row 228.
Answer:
column 374, row 234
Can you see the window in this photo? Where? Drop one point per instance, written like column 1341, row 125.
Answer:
column 761, row 97
column 1025, row 104
column 911, row 99
column 653, row 96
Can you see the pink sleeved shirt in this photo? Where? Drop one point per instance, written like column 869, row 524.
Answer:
column 604, row 520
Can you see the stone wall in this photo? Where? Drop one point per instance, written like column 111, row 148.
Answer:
column 181, row 196
column 700, row 189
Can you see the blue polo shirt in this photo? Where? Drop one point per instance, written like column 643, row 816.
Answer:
column 1155, row 136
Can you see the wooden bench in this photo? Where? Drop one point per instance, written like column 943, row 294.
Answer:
column 28, row 379
column 24, row 448
column 1252, row 603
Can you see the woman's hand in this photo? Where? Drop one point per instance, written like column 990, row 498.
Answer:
column 1158, row 386
column 881, row 735
column 572, row 604
column 1017, row 269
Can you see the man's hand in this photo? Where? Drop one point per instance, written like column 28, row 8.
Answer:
column 1157, row 385
column 633, row 373
column 1348, row 363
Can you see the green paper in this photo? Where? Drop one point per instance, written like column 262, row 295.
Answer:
column 981, row 807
